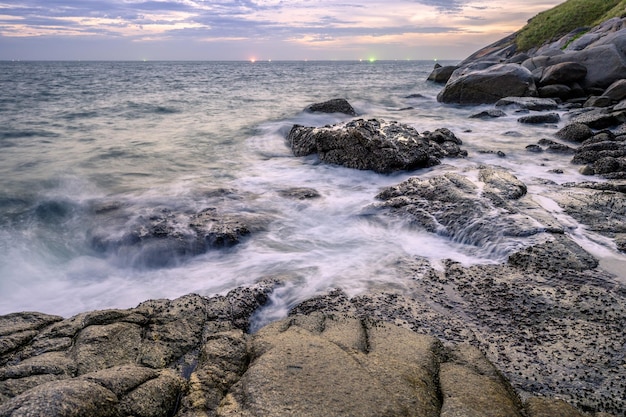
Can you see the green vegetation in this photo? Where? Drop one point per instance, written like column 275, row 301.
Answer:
column 566, row 17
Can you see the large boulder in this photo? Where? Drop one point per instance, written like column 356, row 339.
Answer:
column 374, row 145
column 442, row 74
column 489, row 85
column 605, row 63
column 563, row 73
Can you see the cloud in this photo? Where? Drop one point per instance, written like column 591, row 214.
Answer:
column 277, row 23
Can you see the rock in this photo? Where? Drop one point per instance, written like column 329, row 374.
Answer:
column 588, row 202
column 556, row 146
column 528, row 103
column 563, row 73
column 557, row 254
column 337, row 366
column 453, row 206
column 575, row 132
column 534, row 148
column 523, row 319
column 599, row 119
column 300, row 193
column 616, row 91
column 489, row 85
column 338, row 105
column 540, row 118
column 606, row 153
column 373, row 145
column 164, row 236
column 548, row 407
column 442, row 74
column 502, row 183
column 488, row 114
column 598, row 101
column 472, row 387
column 555, row 90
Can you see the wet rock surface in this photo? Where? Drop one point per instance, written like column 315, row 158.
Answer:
column 375, row 145
column 338, row 105
column 162, row 236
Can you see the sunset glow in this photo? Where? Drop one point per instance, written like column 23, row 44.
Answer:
column 71, row 29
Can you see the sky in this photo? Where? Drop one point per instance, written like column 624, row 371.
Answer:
column 256, row 29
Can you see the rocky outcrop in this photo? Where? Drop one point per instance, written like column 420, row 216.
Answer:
column 375, row 145
column 163, row 236
column 338, row 105
column 571, row 67
column 317, row 364
column 484, row 214
column 488, row 85
column 153, row 360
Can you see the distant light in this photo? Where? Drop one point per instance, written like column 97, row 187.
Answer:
column 372, row 59
column 360, row 60
column 253, row 60
column 269, row 60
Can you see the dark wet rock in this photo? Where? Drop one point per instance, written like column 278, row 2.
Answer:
column 556, row 147
column 601, row 207
column 498, row 153
column 575, row 132
column 164, row 236
column 489, row 85
column 616, row 91
column 528, row 103
column 300, row 193
column 374, row 145
column 604, row 154
column 563, row 73
column 534, row 148
column 557, row 254
column 417, row 95
column 488, row 114
column 453, row 206
column 502, row 183
column 556, row 90
column 598, row 101
column 600, row 118
column 338, row 105
column 442, row 74
column 540, row 118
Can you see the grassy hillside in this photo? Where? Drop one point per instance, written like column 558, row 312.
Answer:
column 566, row 17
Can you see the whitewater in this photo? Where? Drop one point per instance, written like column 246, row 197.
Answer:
column 80, row 138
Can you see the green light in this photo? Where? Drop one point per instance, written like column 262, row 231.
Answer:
column 372, row 59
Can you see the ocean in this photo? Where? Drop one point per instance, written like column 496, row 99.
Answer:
column 88, row 147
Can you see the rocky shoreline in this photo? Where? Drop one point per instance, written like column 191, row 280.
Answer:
column 539, row 335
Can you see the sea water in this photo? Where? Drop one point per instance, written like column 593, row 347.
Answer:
column 166, row 135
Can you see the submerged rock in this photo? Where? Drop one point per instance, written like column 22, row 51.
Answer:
column 338, row 105
column 164, row 237
column 374, row 145
column 540, row 118
column 528, row 103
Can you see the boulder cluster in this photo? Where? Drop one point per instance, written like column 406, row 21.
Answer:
column 587, row 68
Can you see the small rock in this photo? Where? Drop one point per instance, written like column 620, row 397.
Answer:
column 528, row 103
column 575, row 132
column 488, row 114
column 598, row 101
column 338, row 105
column 540, row 118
